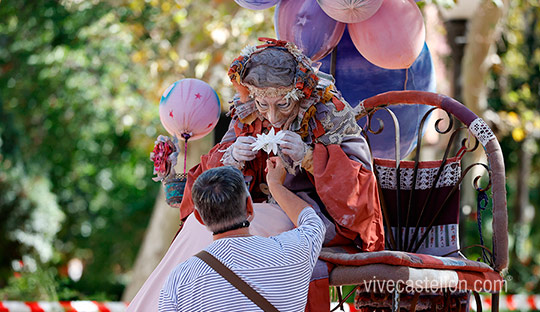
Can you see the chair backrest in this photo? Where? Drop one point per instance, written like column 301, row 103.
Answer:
column 428, row 214
column 425, row 218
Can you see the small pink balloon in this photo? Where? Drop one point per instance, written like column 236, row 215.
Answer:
column 256, row 4
column 350, row 11
column 189, row 108
column 305, row 23
column 393, row 37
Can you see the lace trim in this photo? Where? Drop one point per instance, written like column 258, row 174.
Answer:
column 424, row 179
column 481, row 131
column 440, row 236
column 285, row 92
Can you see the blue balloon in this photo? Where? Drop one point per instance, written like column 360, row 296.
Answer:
column 358, row 79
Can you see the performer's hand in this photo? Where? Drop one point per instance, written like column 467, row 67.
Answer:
column 242, row 150
column 293, row 146
column 275, row 171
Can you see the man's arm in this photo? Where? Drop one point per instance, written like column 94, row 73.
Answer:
column 310, row 227
column 287, row 200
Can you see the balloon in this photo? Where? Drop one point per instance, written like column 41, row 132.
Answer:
column 358, row 79
column 393, row 37
column 189, row 108
column 305, row 23
column 350, row 11
column 256, row 4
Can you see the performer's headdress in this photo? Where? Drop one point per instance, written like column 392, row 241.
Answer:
column 304, row 79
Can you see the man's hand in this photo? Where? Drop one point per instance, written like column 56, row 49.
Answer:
column 242, row 150
column 293, row 146
column 275, row 171
column 287, row 200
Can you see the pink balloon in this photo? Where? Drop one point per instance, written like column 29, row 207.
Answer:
column 305, row 23
column 393, row 37
column 256, row 4
column 189, row 108
column 350, row 11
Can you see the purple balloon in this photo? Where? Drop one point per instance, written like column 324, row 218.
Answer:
column 358, row 79
column 256, row 4
column 305, row 23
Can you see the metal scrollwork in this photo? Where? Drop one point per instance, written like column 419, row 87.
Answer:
column 369, row 127
column 448, row 127
column 477, row 178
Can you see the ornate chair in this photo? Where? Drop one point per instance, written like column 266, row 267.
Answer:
column 422, row 268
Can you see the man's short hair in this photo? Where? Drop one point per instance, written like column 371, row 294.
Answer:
column 219, row 195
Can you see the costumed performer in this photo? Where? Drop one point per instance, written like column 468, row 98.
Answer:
column 327, row 159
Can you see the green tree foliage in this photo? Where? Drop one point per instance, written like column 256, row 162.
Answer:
column 79, row 86
column 516, row 97
column 71, row 124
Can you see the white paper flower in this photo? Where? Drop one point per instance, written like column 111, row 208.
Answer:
column 268, row 142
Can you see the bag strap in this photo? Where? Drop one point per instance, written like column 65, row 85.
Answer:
column 236, row 281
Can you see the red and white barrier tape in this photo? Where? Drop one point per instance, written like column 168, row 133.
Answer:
column 506, row 303
column 510, row 302
column 62, row 306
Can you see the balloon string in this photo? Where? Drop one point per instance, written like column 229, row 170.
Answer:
column 185, row 156
column 406, row 78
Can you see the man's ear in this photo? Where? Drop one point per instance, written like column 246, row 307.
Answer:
column 198, row 217
column 249, row 208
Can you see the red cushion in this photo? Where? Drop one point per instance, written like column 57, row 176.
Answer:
column 346, row 255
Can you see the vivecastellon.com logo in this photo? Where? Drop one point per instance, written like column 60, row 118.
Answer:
column 433, row 285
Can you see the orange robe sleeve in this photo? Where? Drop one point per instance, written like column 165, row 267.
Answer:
column 349, row 192
column 208, row 161
column 253, row 169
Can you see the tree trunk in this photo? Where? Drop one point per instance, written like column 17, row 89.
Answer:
column 523, row 210
column 483, row 31
column 161, row 229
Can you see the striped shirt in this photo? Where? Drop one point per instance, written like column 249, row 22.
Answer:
column 277, row 267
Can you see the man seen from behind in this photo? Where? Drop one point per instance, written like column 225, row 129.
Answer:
column 278, row 268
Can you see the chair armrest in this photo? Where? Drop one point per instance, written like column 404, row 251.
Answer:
column 500, row 214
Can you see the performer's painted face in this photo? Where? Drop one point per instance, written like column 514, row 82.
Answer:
column 276, row 110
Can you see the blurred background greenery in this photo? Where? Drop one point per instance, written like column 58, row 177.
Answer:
column 80, row 83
